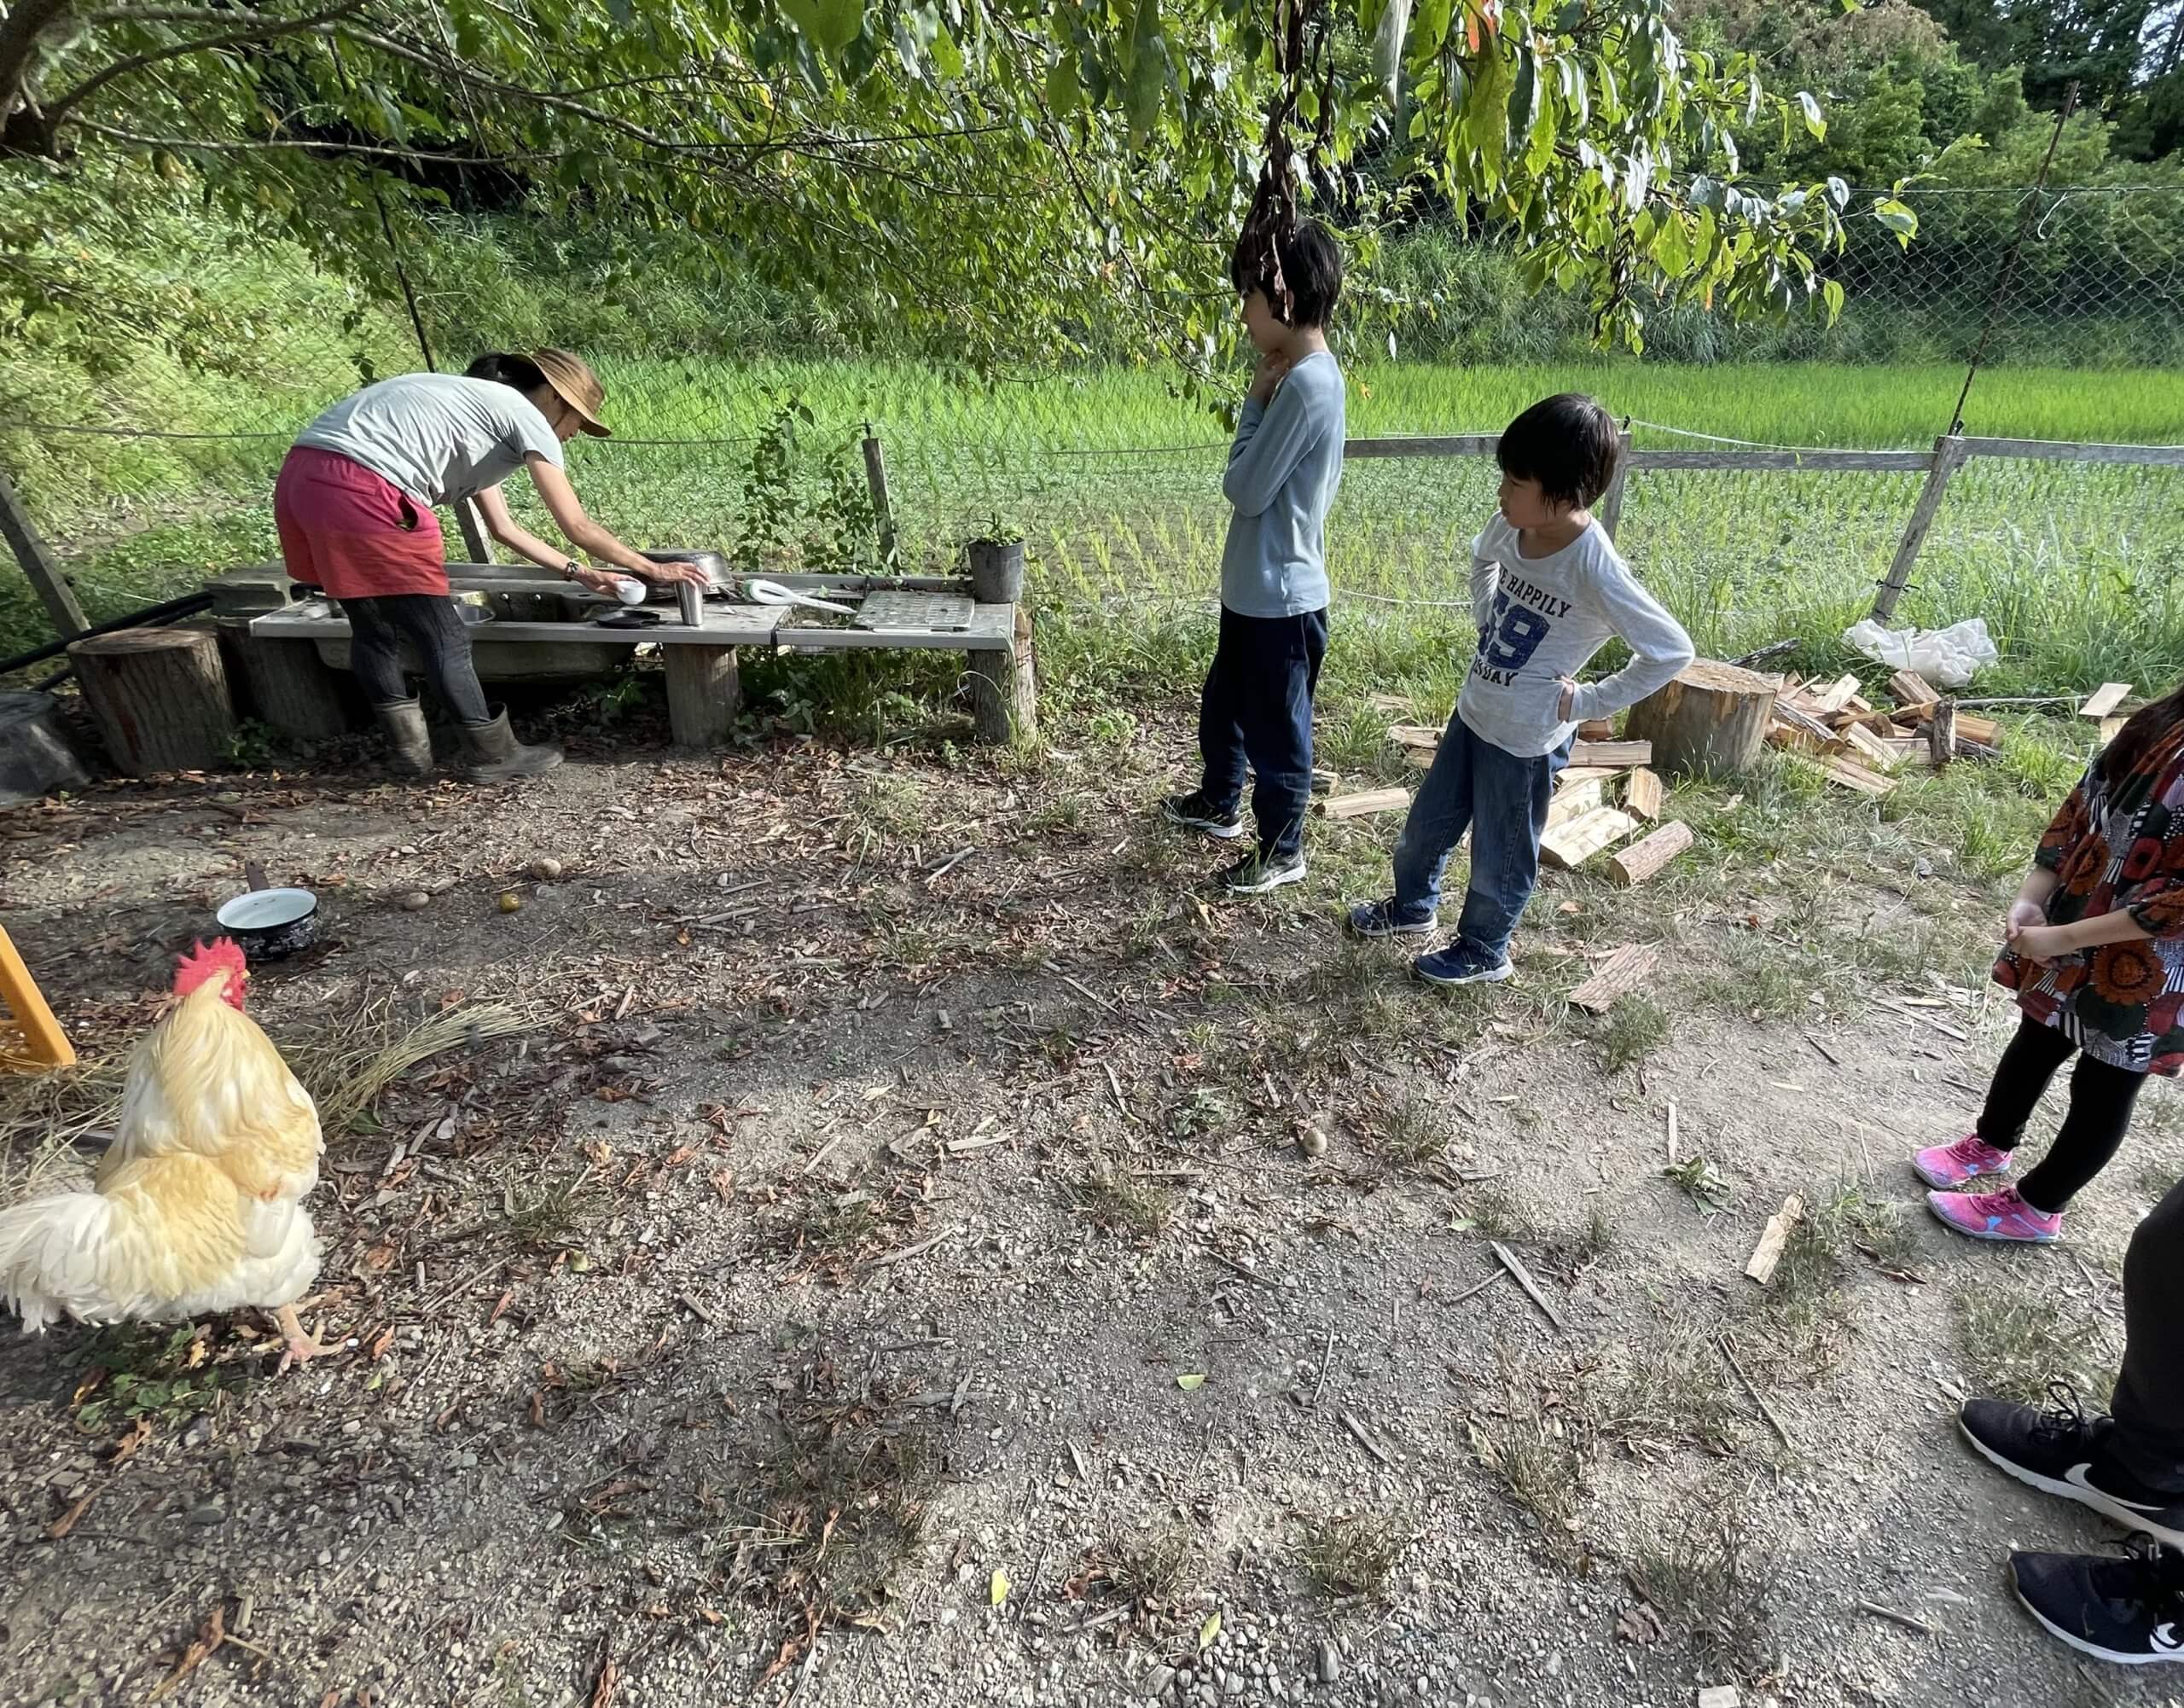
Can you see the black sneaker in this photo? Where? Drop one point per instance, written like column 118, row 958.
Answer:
column 2063, row 1452
column 2129, row 1610
column 1197, row 811
column 1262, row 872
column 1385, row 919
column 1460, row 964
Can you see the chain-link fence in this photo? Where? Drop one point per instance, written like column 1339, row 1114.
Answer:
column 149, row 474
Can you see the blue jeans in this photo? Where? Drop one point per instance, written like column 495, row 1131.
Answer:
column 1502, row 800
column 1257, row 709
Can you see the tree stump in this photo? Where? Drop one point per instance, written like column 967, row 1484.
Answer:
column 1711, row 719
column 294, row 690
column 703, row 692
column 159, row 697
column 36, row 757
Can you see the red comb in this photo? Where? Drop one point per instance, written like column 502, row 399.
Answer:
column 206, row 961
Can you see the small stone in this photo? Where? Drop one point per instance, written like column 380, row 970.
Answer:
column 212, row 1514
column 1330, row 1661
column 416, row 900
column 1158, row 1681
column 545, row 868
column 1720, row 1696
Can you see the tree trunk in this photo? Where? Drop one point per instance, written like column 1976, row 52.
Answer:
column 1711, row 719
column 159, row 698
column 703, row 692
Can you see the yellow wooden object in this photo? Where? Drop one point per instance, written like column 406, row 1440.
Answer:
column 30, row 1039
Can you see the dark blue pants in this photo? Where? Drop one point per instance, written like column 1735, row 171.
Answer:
column 1256, row 711
column 1501, row 798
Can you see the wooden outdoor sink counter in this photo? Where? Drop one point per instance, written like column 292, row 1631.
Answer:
column 703, row 692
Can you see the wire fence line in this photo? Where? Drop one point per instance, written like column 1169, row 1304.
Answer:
column 147, row 479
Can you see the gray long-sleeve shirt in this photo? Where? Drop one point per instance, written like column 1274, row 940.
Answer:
column 1283, row 471
column 1542, row 619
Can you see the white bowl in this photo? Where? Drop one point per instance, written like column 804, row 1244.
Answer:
column 630, row 590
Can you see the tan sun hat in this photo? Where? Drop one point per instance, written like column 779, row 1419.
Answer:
column 575, row 385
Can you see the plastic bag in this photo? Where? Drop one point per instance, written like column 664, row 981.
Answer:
column 1948, row 658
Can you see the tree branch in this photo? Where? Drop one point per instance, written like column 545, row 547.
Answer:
column 264, row 32
column 244, row 145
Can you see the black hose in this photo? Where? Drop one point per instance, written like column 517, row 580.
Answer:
column 186, row 605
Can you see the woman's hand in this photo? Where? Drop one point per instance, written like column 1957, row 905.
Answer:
column 1269, row 374
column 677, row 571
column 1568, row 704
column 2022, row 915
column 2040, row 943
column 600, row 581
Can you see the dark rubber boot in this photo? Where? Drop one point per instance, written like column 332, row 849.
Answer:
column 495, row 756
column 408, row 746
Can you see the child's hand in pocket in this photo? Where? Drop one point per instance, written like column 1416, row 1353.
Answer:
column 1566, row 707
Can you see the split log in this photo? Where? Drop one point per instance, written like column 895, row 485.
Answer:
column 2111, row 728
column 1568, row 846
column 1415, row 735
column 1641, row 794
column 1616, row 756
column 1850, row 776
column 1596, row 729
column 1619, row 975
column 1834, row 697
column 1647, row 855
column 1908, row 688
column 1982, row 731
column 1867, row 748
column 1941, row 735
column 1357, row 805
column 1711, row 719
column 2104, row 700
column 1768, row 1254
column 159, row 697
column 1574, row 800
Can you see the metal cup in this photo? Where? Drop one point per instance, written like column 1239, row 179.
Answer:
column 690, row 603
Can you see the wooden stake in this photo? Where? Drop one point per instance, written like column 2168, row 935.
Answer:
column 1941, row 735
column 39, row 565
column 1775, row 1240
column 1621, row 972
column 1647, row 855
column 1950, row 453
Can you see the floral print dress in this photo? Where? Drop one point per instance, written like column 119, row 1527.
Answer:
column 2116, row 843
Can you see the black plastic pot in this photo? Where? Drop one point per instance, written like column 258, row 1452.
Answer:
column 996, row 571
column 271, row 925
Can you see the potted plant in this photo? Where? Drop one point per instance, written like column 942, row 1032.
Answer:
column 996, row 558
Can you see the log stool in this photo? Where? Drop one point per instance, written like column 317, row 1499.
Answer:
column 159, row 697
column 1712, row 719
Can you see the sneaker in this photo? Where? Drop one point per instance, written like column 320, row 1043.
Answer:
column 2062, row 1451
column 2129, row 1610
column 2000, row 1215
column 1946, row 1166
column 1460, row 964
column 1260, row 872
column 1197, row 811
column 1384, row 918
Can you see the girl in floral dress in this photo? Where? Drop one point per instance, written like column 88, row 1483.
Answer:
column 2095, row 953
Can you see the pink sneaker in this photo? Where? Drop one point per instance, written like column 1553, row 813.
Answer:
column 2000, row 1215
column 1950, row 1166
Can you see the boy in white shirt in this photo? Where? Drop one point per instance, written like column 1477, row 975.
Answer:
column 1549, row 591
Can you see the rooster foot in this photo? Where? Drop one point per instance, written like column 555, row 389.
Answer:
column 302, row 1348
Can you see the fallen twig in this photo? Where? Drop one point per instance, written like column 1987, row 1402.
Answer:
column 1752, row 1387
column 1524, row 1277
column 1896, row 1618
column 909, row 1252
column 1357, row 1433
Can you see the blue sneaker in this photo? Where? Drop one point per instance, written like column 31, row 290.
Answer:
column 1460, row 964
column 1384, row 918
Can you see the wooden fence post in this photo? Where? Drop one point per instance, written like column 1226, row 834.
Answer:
column 1949, row 454
column 473, row 535
column 1611, row 500
column 39, row 565
column 875, row 476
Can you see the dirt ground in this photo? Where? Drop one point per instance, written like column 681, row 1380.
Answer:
column 890, row 1266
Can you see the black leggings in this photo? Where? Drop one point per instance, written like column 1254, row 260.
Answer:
column 2149, row 1403
column 2099, row 1115
column 431, row 623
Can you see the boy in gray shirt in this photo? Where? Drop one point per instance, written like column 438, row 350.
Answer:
column 1549, row 591
column 1255, row 710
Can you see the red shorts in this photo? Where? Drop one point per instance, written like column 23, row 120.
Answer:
column 353, row 532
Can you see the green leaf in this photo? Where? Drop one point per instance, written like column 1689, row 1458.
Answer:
column 1064, row 91
column 997, row 1591
column 829, row 26
column 1814, row 122
column 1192, row 1383
column 1149, row 83
column 1897, row 218
column 1211, row 1629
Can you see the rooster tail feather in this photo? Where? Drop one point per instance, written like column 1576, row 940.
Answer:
column 69, row 1255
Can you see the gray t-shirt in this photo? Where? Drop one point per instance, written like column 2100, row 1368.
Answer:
column 1283, row 470
column 1541, row 618
column 437, row 437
